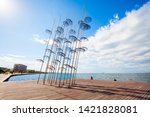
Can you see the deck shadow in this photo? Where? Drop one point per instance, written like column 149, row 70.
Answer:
column 134, row 93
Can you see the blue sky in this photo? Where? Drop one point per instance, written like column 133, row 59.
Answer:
column 23, row 24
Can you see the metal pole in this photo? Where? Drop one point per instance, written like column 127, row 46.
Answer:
column 49, row 57
column 45, row 52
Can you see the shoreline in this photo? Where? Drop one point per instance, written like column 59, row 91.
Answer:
column 6, row 77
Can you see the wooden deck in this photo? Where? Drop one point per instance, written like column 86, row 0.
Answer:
column 84, row 90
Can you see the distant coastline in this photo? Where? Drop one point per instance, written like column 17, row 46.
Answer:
column 131, row 77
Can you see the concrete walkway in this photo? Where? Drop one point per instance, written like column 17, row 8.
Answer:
column 4, row 77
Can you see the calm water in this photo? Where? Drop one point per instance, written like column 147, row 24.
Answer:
column 140, row 77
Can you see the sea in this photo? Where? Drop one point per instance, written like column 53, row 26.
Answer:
column 132, row 77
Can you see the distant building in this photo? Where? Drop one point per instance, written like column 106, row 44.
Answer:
column 20, row 68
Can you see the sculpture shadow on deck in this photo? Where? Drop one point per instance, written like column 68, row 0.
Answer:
column 132, row 93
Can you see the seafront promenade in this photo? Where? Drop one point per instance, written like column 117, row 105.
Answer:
column 4, row 77
column 83, row 90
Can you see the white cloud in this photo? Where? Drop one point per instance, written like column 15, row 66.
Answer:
column 38, row 39
column 121, row 46
column 10, row 59
column 16, row 56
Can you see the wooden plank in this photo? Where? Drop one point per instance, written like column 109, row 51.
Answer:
column 83, row 90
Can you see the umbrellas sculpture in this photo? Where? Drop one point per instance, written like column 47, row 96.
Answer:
column 62, row 57
column 46, row 49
